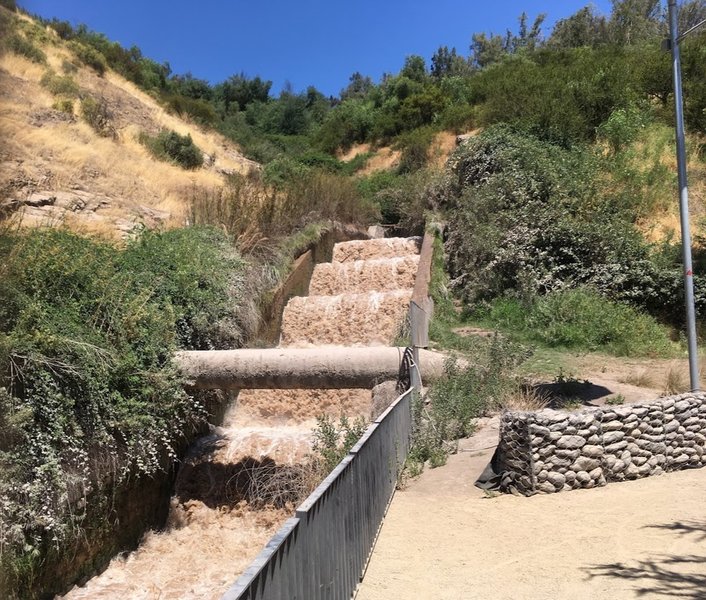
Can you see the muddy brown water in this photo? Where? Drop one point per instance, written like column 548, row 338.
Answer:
column 212, row 534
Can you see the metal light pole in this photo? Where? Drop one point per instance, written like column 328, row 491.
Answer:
column 674, row 40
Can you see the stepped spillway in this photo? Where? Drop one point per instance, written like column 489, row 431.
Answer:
column 376, row 249
column 371, row 319
column 359, row 299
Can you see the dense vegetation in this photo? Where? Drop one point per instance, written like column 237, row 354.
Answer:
column 568, row 86
column 89, row 396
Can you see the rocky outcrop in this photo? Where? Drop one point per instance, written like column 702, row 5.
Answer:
column 49, row 207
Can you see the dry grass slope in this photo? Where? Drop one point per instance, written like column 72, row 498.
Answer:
column 48, row 150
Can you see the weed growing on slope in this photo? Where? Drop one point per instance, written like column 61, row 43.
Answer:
column 96, row 113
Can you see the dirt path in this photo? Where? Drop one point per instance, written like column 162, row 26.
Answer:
column 444, row 539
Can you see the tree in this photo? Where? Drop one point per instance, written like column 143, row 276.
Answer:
column 191, row 87
column 288, row 115
column 358, row 87
column 691, row 13
column 414, row 68
column 583, row 28
column 447, row 63
column 528, row 38
column 317, row 105
column 486, row 50
column 238, row 91
column 634, row 21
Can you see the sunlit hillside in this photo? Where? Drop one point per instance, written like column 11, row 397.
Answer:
column 56, row 167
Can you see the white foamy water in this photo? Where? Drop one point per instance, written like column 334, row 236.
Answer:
column 375, row 249
column 212, row 535
column 381, row 275
column 285, row 444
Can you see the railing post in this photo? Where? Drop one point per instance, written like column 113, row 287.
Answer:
column 421, row 307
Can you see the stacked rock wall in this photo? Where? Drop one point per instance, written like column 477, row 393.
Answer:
column 551, row 451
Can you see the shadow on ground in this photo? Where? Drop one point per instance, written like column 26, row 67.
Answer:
column 666, row 575
column 571, row 392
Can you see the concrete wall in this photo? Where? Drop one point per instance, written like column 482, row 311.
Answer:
column 552, row 451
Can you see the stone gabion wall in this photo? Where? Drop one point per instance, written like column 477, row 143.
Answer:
column 515, row 449
column 552, row 451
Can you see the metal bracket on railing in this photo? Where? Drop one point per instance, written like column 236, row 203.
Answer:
column 404, row 378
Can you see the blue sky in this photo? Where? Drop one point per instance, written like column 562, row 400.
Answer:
column 309, row 42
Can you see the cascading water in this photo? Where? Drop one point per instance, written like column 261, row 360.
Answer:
column 213, row 532
column 359, row 276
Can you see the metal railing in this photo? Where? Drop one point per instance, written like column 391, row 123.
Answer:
column 321, row 552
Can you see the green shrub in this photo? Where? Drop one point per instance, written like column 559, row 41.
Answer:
column 559, row 94
column 457, row 118
column 348, row 123
column 96, row 113
column 20, row 45
column 90, row 57
column 170, row 146
column 526, row 215
column 581, row 319
column 59, row 85
column 357, row 163
column 198, row 109
column 332, row 442
column 414, row 146
column 622, row 127
column 283, row 170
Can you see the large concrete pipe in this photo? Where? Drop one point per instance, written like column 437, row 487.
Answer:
column 300, row 368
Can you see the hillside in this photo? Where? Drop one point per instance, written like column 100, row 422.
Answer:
column 54, row 167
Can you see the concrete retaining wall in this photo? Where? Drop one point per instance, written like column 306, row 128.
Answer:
column 552, row 451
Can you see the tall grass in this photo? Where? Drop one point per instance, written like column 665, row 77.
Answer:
column 255, row 214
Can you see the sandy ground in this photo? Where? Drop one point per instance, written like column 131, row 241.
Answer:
column 444, row 539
